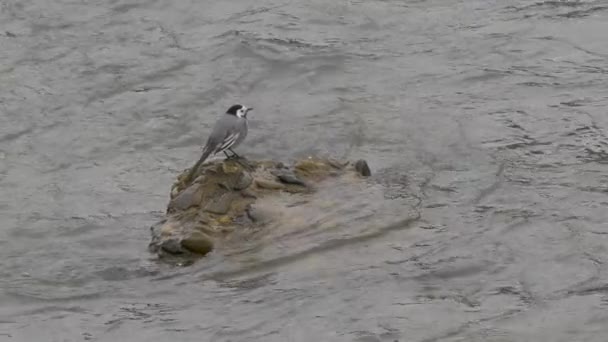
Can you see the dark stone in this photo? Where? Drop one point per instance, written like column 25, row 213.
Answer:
column 362, row 167
column 172, row 246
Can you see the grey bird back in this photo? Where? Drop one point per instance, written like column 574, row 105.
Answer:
column 226, row 126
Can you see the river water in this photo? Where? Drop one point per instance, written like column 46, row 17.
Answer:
column 492, row 114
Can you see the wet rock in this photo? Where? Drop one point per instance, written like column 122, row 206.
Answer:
column 172, row 246
column 220, row 205
column 337, row 164
column 198, row 243
column 166, row 229
column 288, row 177
column 248, row 194
column 224, row 197
column 259, row 215
column 243, row 182
column 203, row 219
column 362, row 168
column 312, row 166
column 224, row 220
column 187, row 198
column 268, row 184
column 231, row 167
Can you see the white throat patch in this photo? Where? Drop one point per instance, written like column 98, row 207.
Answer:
column 241, row 113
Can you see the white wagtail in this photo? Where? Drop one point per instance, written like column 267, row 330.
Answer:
column 229, row 131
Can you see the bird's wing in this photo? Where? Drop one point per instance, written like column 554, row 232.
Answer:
column 222, row 129
column 231, row 134
column 228, row 141
column 223, row 135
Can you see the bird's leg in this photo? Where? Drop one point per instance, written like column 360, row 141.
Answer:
column 234, row 155
column 243, row 161
column 238, row 159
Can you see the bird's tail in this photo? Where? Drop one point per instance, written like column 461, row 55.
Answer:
column 194, row 169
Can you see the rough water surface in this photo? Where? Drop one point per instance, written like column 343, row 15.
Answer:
column 489, row 118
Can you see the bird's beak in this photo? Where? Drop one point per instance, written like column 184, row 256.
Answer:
column 249, row 109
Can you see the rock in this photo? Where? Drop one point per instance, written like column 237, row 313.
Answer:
column 259, row 215
column 243, row 182
column 288, row 177
column 231, row 166
column 203, row 219
column 267, row 184
column 312, row 166
column 167, row 229
column 337, row 164
column 198, row 243
column 224, row 198
column 362, row 168
column 172, row 246
column 220, row 205
column 246, row 193
column 187, row 198
column 224, row 220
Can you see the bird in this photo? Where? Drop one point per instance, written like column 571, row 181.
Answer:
column 228, row 132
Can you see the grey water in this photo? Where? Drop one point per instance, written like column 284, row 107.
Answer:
column 493, row 115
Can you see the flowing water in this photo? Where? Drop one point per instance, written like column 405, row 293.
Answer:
column 486, row 121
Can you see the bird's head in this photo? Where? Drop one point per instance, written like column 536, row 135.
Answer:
column 238, row 111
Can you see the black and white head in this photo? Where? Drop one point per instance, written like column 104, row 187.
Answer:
column 238, row 111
